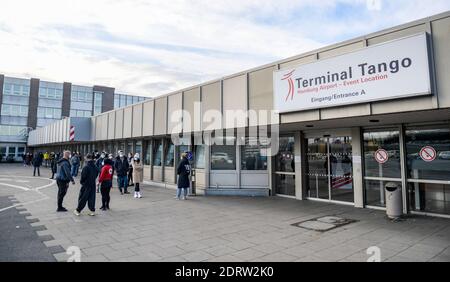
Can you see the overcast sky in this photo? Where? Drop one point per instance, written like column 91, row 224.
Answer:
column 154, row 47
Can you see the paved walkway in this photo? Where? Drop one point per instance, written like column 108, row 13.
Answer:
column 159, row 228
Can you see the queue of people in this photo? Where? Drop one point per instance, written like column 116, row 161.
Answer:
column 97, row 176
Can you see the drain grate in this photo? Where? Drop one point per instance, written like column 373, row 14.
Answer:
column 324, row 224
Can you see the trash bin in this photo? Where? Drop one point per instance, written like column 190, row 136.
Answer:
column 394, row 204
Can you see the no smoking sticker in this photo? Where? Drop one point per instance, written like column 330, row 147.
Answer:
column 381, row 156
column 428, row 154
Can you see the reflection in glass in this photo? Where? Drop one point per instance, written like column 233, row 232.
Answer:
column 317, row 168
column 170, row 155
column 330, row 169
column 148, row 153
column 253, row 158
column 385, row 140
column 285, row 185
column 375, row 193
column 341, row 169
column 428, row 197
column 157, row 154
column 285, row 161
column 223, row 157
column 435, row 137
column 200, row 156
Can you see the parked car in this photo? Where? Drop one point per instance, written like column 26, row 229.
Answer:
column 445, row 155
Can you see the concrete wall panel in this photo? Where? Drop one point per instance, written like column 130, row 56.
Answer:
column 137, row 121
column 212, row 105
column 174, row 113
column 148, row 111
column 127, row 122
column 160, row 116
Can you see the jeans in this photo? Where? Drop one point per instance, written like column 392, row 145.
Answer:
column 62, row 190
column 122, row 181
column 38, row 170
column 184, row 190
column 87, row 195
column 74, row 171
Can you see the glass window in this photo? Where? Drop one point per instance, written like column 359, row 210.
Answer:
column 7, row 89
column 148, row 151
column 116, row 101
column 374, row 192
column 428, row 153
column 285, row 184
column 382, row 154
column 138, row 148
column 253, row 157
column 157, row 154
column 285, row 161
column 14, row 110
column 123, row 101
column 129, row 148
column 170, row 155
column 129, row 100
column 223, row 157
column 430, row 197
column 200, row 156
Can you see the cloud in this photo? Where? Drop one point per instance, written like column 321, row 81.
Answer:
column 153, row 47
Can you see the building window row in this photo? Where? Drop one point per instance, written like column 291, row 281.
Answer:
column 98, row 100
column 11, row 130
column 50, row 93
column 122, row 100
column 14, row 110
column 80, row 113
column 16, row 89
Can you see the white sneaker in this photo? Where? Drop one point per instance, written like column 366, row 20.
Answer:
column 135, row 194
column 139, row 195
column 76, row 213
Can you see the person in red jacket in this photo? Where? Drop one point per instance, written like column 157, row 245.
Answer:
column 105, row 183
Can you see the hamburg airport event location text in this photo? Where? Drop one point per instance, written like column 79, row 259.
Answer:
column 386, row 71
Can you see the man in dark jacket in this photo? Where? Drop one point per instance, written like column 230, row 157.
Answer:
column 88, row 182
column 63, row 177
column 183, row 171
column 37, row 162
column 75, row 162
column 121, row 167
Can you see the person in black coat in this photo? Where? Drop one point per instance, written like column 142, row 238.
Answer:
column 121, row 166
column 37, row 162
column 53, row 164
column 183, row 171
column 88, row 183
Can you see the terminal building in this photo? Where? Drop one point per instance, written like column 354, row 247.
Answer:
column 28, row 104
column 343, row 121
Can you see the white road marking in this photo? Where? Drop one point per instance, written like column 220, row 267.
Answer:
column 37, row 189
column 15, row 186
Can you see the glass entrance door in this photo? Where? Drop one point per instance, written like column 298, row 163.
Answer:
column 329, row 170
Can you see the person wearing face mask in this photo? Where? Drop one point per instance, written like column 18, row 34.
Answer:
column 130, row 171
column 105, row 183
column 138, row 175
column 99, row 163
column 183, row 171
column 121, row 166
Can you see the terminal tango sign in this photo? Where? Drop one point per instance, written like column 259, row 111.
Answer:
column 391, row 70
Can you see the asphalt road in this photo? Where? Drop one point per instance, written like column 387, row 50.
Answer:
column 18, row 239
